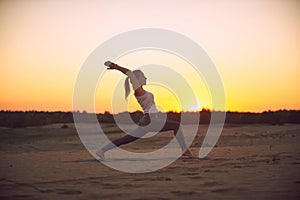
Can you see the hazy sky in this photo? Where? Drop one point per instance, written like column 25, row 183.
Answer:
column 255, row 45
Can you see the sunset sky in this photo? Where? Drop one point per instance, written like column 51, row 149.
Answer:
column 254, row 44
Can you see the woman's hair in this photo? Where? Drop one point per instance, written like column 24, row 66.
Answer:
column 137, row 74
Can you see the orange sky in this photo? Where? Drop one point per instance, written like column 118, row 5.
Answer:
column 253, row 43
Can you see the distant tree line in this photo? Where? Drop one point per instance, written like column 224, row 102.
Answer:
column 20, row 119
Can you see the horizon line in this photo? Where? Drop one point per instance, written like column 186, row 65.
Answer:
column 170, row 111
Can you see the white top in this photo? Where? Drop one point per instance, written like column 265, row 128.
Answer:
column 147, row 102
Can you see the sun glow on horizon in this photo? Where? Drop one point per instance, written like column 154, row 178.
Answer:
column 253, row 44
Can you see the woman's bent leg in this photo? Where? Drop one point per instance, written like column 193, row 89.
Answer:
column 175, row 126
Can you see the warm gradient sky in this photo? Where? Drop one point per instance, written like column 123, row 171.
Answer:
column 255, row 45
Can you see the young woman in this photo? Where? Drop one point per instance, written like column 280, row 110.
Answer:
column 150, row 121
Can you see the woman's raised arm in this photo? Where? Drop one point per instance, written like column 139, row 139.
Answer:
column 111, row 65
column 134, row 81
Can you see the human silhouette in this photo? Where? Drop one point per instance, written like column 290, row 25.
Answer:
column 150, row 121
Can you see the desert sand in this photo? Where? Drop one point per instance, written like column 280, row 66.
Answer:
column 249, row 162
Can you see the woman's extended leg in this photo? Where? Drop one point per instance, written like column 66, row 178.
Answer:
column 134, row 135
column 118, row 142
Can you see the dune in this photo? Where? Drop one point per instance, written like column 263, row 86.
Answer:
column 249, row 161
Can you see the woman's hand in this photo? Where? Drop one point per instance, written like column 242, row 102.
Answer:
column 111, row 65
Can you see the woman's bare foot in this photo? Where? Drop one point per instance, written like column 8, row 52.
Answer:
column 188, row 153
column 100, row 153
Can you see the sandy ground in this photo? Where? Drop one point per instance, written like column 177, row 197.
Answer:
column 249, row 162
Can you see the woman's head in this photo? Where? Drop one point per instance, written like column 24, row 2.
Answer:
column 140, row 77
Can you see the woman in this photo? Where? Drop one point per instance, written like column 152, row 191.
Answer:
column 149, row 121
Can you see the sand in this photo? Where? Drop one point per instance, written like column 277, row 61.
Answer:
column 249, row 162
